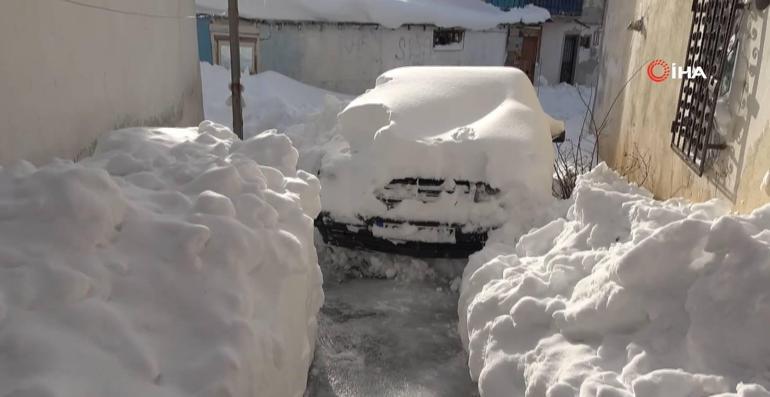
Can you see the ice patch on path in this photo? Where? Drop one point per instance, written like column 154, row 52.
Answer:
column 389, row 338
column 174, row 262
column 625, row 296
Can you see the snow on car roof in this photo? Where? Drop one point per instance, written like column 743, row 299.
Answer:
column 461, row 122
column 469, row 14
column 442, row 104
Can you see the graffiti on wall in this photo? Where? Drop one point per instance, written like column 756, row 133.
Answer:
column 414, row 50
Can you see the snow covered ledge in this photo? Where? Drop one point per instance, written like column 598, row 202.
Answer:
column 625, row 296
column 171, row 263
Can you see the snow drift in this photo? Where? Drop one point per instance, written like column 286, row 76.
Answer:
column 174, row 262
column 570, row 104
column 477, row 124
column 271, row 100
column 469, row 14
column 625, row 296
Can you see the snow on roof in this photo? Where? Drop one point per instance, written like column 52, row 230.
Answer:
column 469, row 14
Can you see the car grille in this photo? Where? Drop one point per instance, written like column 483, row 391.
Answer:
column 429, row 190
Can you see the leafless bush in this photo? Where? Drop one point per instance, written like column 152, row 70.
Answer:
column 636, row 166
column 573, row 159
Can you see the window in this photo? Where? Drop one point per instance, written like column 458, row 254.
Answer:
column 729, row 68
column 585, row 41
column 713, row 26
column 448, row 39
column 248, row 53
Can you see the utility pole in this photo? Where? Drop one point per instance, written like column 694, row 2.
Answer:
column 235, row 67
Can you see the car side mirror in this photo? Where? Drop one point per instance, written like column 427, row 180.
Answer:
column 561, row 138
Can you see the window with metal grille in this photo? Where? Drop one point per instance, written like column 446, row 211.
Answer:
column 713, row 25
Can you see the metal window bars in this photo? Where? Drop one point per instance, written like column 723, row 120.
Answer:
column 713, row 24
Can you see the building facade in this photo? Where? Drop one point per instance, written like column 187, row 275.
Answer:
column 704, row 133
column 348, row 57
column 71, row 72
column 564, row 49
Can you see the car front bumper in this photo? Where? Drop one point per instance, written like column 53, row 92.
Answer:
column 423, row 239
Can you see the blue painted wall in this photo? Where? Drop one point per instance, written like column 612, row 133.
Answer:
column 204, row 39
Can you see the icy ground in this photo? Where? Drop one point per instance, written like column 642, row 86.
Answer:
column 389, row 338
column 393, row 336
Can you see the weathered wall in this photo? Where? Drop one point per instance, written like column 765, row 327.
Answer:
column 640, row 121
column 348, row 58
column 593, row 12
column 69, row 73
column 552, row 50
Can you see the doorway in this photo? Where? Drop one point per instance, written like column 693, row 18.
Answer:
column 569, row 59
column 524, row 49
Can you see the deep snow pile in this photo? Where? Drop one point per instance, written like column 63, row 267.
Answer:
column 469, row 14
column 318, row 136
column 569, row 103
column 174, row 262
column 447, row 123
column 625, row 296
column 271, row 100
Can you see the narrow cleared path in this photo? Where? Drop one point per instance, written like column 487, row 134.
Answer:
column 389, row 338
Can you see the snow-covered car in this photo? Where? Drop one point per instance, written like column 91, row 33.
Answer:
column 436, row 157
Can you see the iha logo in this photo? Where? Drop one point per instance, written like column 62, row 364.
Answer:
column 659, row 71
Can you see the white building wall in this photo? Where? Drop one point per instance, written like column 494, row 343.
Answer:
column 552, row 50
column 348, row 58
column 69, row 73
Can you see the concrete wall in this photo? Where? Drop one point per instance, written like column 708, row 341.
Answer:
column 348, row 58
column 593, row 12
column 69, row 73
column 640, row 121
column 552, row 50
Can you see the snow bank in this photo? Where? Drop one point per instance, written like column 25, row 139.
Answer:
column 567, row 102
column 272, row 100
column 449, row 123
column 469, row 14
column 625, row 296
column 171, row 263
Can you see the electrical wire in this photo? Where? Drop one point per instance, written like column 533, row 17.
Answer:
column 132, row 13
